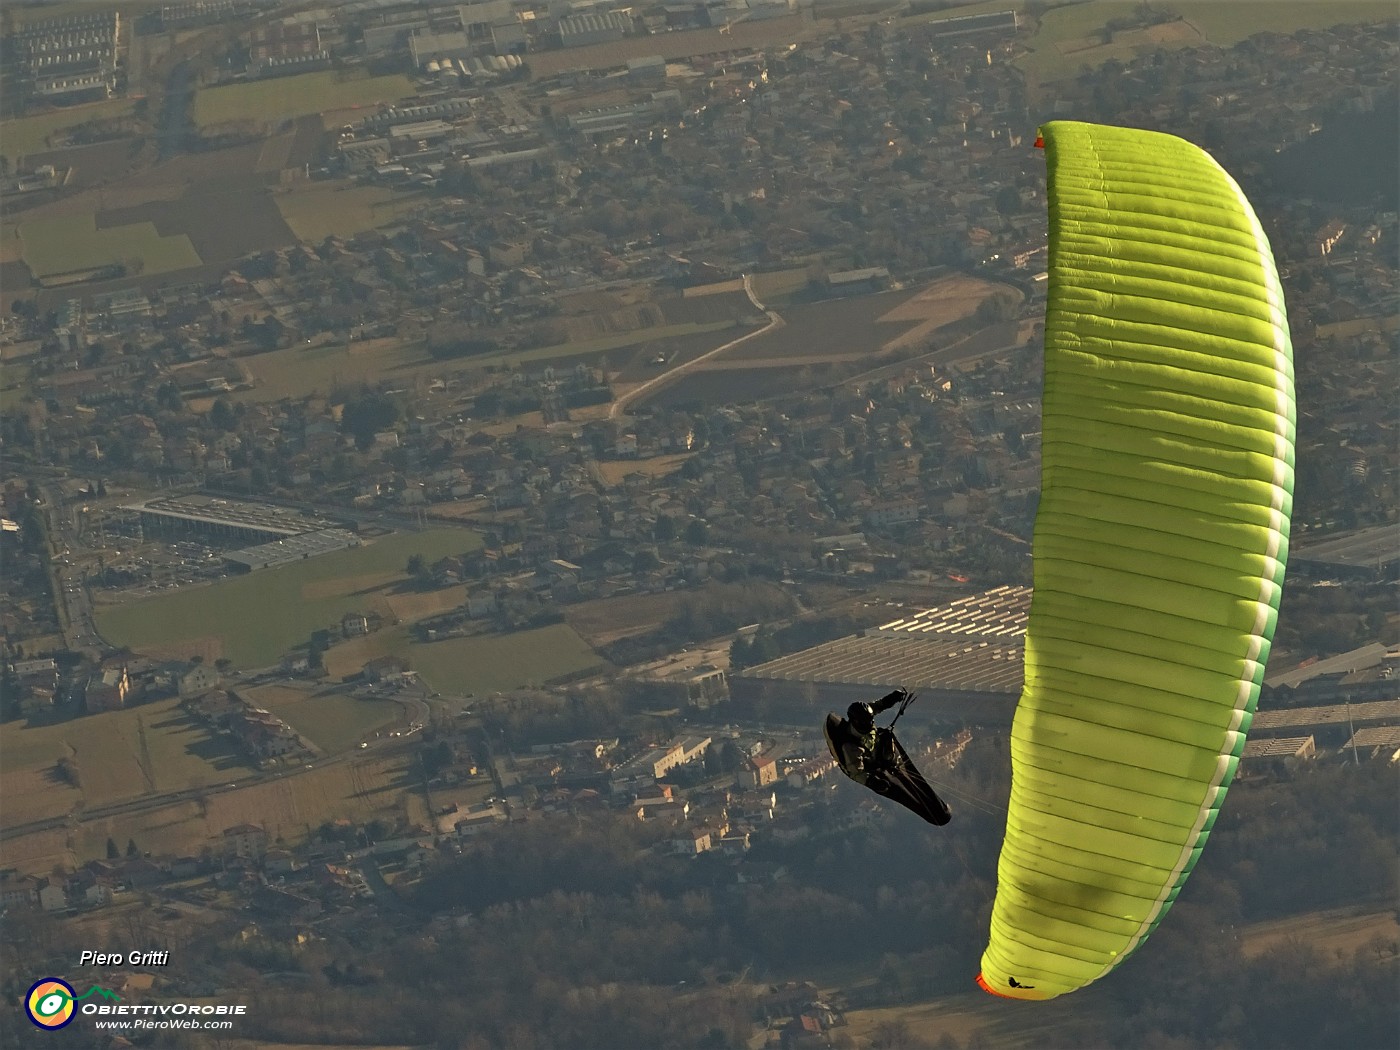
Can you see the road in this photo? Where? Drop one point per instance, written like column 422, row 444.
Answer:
column 619, row 406
column 70, row 595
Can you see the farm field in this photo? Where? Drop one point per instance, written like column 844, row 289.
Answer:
column 1067, row 38
column 605, row 620
column 25, row 136
column 821, row 342
column 75, row 242
column 721, row 386
column 296, row 96
column 123, row 754
column 292, row 805
column 297, row 372
column 840, row 329
column 776, row 286
column 706, row 309
column 318, row 210
column 613, row 471
column 254, row 619
column 172, row 215
column 497, row 662
column 334, row 722
column 837, row 329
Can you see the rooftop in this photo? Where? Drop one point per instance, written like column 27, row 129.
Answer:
column 214, row 511
column 1363, row 549
column 974, row 643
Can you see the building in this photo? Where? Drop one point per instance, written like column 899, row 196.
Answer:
column 425, row 46
column 222, row 519
column 1374, row 742
column 1364, row 554
column 20, row 891
column 657, row 762
column 763, row 770
column 288, row 549
column 248, row 841
column 108, row 691
column 891, row 512
column 964, row 659
column 700, row 686
column 1276, row 755
column 581, row 30
column 648, row 70
column 864, row 281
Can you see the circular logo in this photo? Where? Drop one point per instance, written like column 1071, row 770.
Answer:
column 49, row 1003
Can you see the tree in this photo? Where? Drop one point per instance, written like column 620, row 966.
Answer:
column 664, row 531
column 112, row 852
column 697, row 532
column 170, row 399
column 319, row 643
column 221, row 415
column 131, row 850
column 366, row 414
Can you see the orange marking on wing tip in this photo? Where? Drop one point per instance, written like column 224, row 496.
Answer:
column 1039, row 142
column 982, row 983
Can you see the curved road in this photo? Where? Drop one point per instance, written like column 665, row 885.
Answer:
column 652, row 385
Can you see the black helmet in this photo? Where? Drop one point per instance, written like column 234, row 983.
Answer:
column 861, row 716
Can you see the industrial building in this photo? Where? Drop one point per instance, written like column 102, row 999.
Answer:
column 290, row 549
column 425, row 46
column 581, row 30
column 223, row 519
column 964, row 659
column 70, row 59
column 1372, row 553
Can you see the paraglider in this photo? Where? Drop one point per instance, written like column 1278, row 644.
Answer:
column 872, row 756
column 1158, row 553
column 1159, row 550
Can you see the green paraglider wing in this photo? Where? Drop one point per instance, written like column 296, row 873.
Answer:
column 1159, row 551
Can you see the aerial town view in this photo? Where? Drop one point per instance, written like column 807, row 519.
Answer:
column 479, row 482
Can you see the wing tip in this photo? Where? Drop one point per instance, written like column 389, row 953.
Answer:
column 982, row 983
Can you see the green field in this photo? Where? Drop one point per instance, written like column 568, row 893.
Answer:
column 283, row 98
column 27, row 135
column 259, row 617
column 73, row 242
column 498, row 662
column 322, row 210
column 333, row 721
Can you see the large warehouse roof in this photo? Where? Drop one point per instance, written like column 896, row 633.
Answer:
column 1372, row 548
column 1332, row 714
column 974, row 644
column 211, row 510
